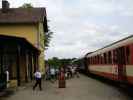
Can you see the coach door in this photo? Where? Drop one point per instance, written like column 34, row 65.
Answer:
column 121, row 64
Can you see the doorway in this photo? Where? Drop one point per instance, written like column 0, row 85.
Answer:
column 121, row 61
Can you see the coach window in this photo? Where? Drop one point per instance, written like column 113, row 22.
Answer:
column 90, row 60
column 109, row 57
column 86, row 60
column 97, row 59
column 105, row 58
column 93, row 60
column 100, row 59
column 114, row 56
column 101, row 56
column 127, row 55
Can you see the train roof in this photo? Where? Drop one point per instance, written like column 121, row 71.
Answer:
column 122, row 42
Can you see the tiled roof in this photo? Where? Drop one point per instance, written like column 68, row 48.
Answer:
column 23, row 15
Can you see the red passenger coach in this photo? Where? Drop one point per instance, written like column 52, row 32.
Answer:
column 114, row 61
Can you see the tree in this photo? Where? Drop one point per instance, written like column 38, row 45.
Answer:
column 26, row 5
column 54, row 62
column 47, row 38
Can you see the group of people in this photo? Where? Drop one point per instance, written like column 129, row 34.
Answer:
column 71, row 72
column 53, row 74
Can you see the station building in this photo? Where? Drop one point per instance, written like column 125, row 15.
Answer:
column 22, row 34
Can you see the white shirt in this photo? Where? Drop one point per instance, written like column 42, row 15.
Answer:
column 73, row 70
column 52, row 71
column 38, row 75
column 7, row 76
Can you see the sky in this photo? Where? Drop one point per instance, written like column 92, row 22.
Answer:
column 82, row 26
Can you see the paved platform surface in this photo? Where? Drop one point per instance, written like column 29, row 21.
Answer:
column 83, row 88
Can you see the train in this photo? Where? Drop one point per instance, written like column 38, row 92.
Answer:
column 80, row 63
column 113, row 62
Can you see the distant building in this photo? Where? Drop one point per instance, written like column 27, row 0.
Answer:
column 22, row 33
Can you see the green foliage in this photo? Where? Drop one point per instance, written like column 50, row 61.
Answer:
column 26, row 5
column 47, row 39
column 65, row 62
column 56, row 62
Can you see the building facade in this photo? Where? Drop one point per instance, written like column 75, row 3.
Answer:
column 29, row 26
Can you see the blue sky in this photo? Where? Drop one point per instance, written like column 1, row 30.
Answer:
column 81, row 26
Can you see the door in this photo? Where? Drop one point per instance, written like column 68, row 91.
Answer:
column 121, row 61
column 2, row 74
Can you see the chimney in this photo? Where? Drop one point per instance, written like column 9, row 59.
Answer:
column 5, row 6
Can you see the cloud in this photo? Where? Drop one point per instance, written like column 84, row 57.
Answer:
column 82, row 26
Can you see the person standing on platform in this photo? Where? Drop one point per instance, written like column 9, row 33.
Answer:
column 52, row 72
column 62, row 81
column 7, row 78
column 38, row 78
column 77, row 72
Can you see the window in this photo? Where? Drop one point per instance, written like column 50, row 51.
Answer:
column 127, row 55
column 91, row 60
column 88, row 60
column 114, row 56
column 97, row 59
column 101, row 57
column 109, row 57
column 105, row 60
